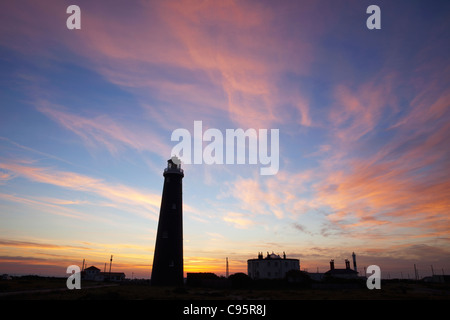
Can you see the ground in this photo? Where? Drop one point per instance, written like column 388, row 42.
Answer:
column 40, row 288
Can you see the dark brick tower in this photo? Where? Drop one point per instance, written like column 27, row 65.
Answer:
column 167, row 267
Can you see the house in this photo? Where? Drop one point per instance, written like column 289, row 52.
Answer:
column 94, row 274
column 271, row 267
column 346, row 273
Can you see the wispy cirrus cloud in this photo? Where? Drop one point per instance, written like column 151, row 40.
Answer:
column 239, row 63
column 104, row 131
column 5, row 176
column 238, row 220
column 116, row 194
column 401, row 182
column 234, row 69
column 279, row 196
column 56, row 208
column 355, row 114
column 370, row 187
column 34, row 244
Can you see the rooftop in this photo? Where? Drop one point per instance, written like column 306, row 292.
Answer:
column 271, row 256
column 341, row 271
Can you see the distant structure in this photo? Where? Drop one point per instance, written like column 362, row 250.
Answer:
column 167, row 267
column 93, row 273
column 271, row 267
column 110, row 263
column 346, row 273
column 227, row 273
column 416, row 273
column 354, row 261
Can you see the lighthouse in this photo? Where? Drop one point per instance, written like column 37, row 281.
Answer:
column 167, row 267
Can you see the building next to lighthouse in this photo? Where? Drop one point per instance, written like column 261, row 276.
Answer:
column 167, row 269
column 271, row 267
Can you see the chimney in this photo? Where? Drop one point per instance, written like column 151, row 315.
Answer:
column 347, row 264
column 354, row 262
column 331, row 264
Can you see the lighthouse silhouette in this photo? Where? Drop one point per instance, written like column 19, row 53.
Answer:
column 167, row 267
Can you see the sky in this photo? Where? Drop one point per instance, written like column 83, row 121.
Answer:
column 86, row 118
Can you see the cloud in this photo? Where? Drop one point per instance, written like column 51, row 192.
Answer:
column 32, row 244
column 280, row 195
column 116, row 194
column 104, row 131
column 216, row 59
column 358, row 112
column 400, row 184
column 300, row 228
column 238, row 220
column 52, row 208
column 241, row 55
column 5, row 176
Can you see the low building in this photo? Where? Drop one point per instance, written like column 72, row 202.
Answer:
column 271, row 267
column 206, row 279
column 437, row 279
column 5, row 277
column 346, row 273
column 316, row 276
column 94, row 274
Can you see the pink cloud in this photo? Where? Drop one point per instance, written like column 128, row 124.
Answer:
column 242, row 55
column 233, row 67
column 402, row 185
column 116, row 194
column 280, row 195
column 357, row 113
column 222, row 59
column 238, row 220
column 107, row 132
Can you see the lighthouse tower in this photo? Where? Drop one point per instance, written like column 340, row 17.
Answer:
column 167, row 267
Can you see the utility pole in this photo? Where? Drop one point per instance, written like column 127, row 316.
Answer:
column 110, row 262
column 416, row 272
column 227, row 271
